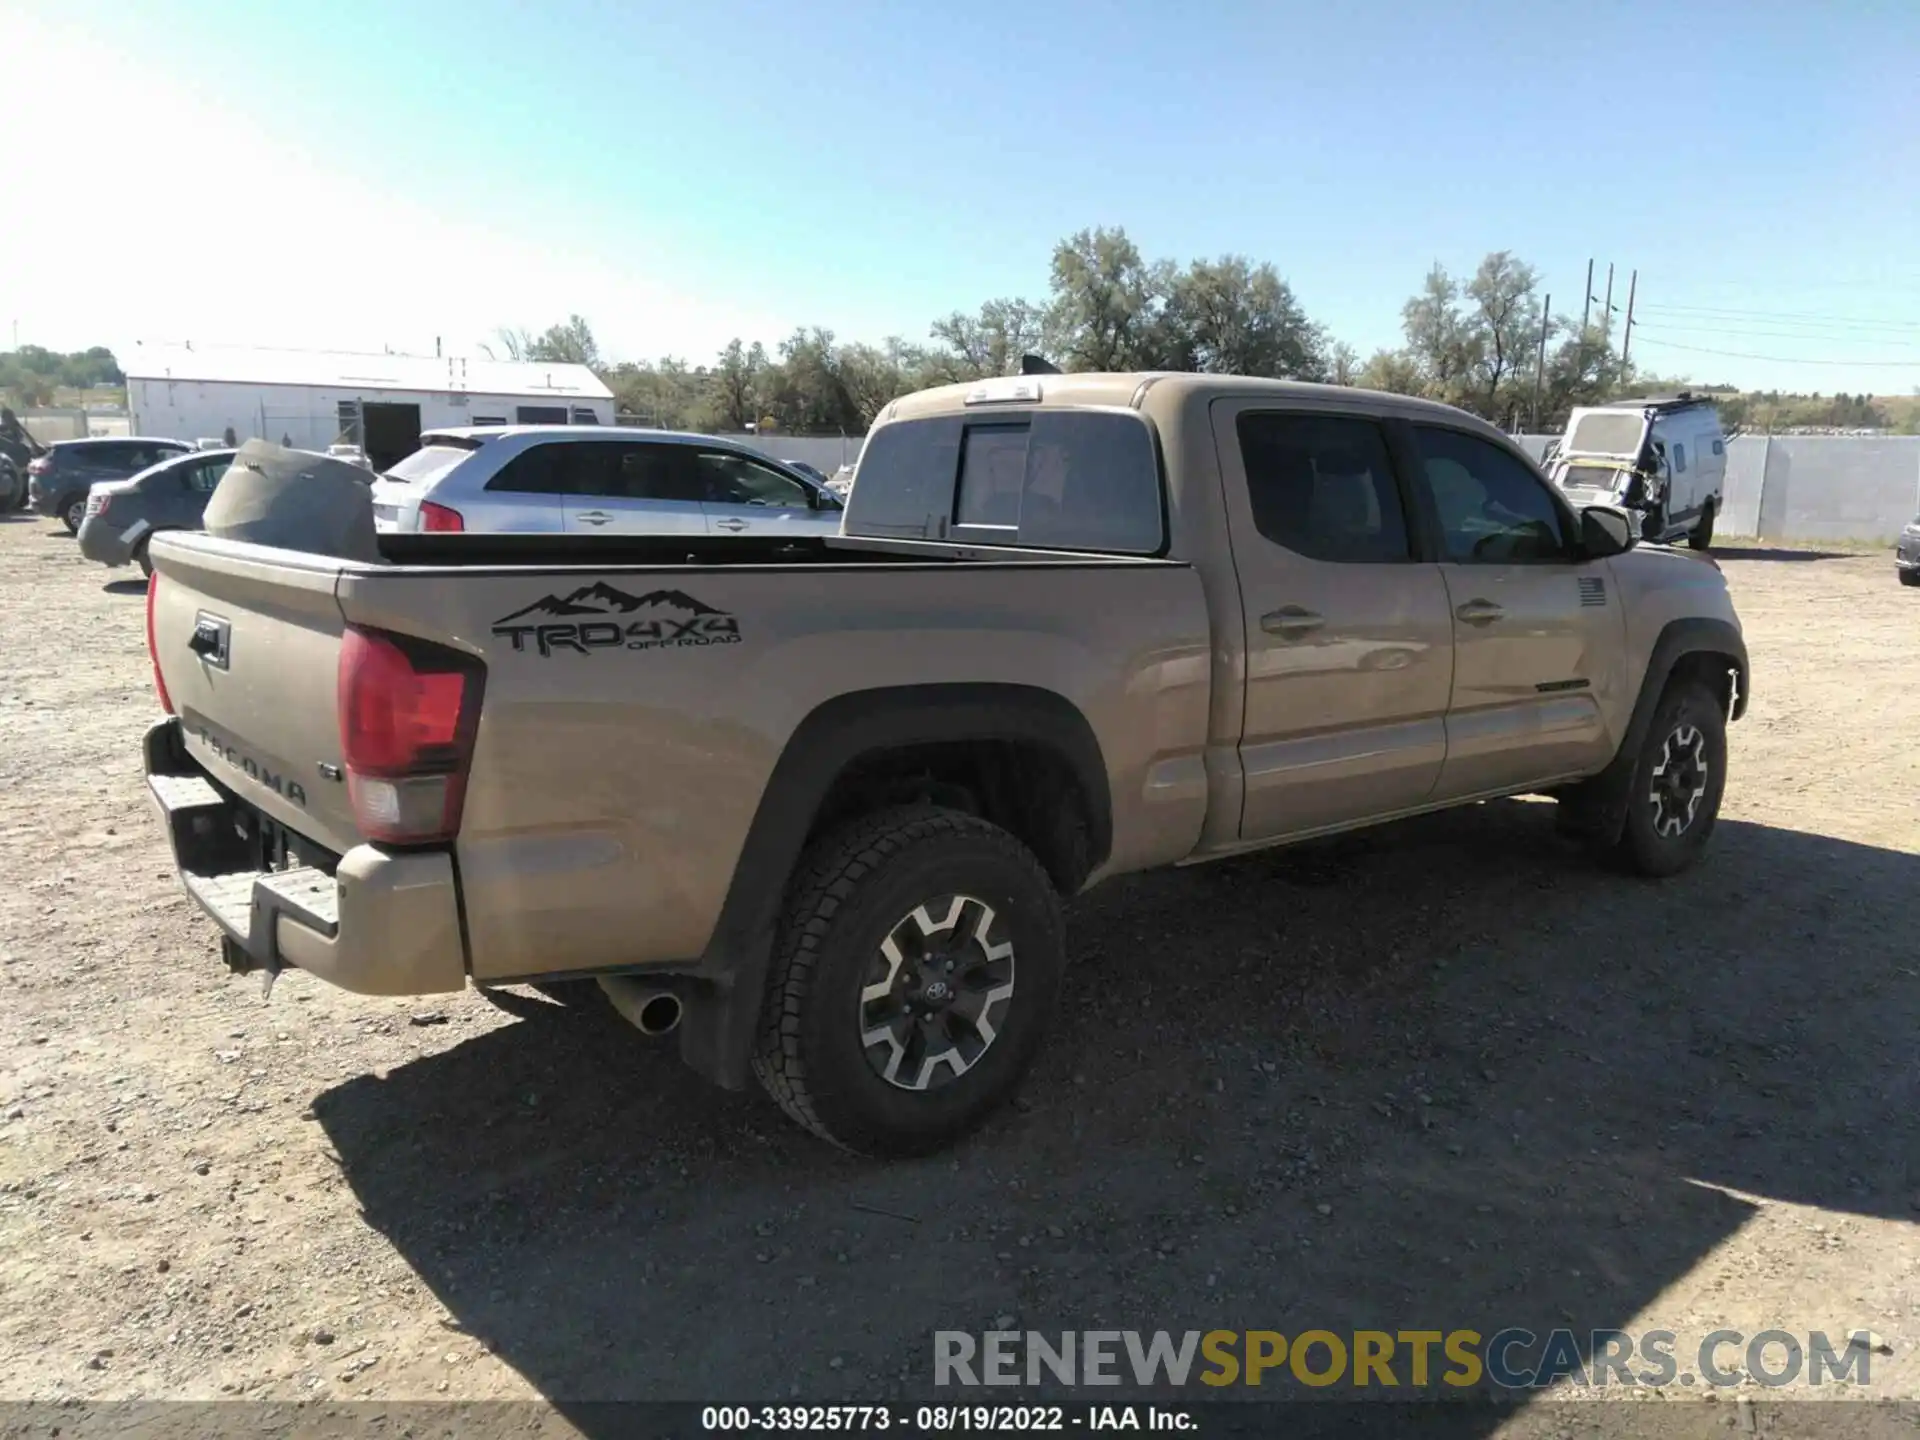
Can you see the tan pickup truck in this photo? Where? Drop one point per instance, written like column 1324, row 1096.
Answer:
column 817, row 803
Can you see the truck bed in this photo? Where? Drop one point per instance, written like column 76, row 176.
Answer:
column 639, row 694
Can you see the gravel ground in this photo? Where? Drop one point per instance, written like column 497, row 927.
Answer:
column 1447, row 1076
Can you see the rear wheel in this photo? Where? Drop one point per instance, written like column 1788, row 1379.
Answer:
column 912, row 978
column 143, row 559
column 13, row 485
column 1701, row 536
column 1673, row 797
column 72, row 513
column 1910, row 577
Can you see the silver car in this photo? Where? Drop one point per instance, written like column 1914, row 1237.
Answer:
column 556, row 479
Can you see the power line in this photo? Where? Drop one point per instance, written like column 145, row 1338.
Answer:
column 1913, row 364
column 1786, row 317
column 1741, row 333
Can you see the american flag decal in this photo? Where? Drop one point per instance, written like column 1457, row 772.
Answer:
column 1593, row 590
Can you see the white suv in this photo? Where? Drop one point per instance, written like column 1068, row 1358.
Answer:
column 555, row 479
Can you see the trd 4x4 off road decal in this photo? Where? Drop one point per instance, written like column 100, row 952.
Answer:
column 599, row 617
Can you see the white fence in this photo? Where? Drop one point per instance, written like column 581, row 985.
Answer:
column 1814, row 487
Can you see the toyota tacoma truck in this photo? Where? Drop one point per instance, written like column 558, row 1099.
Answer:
column 816, row 804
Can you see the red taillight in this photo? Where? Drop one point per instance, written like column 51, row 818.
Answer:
column 408, row 715
column 153, row 650
column 97, row 504
column 439, row 519
column 40, row 466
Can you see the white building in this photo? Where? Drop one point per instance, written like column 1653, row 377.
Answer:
column 313, row 399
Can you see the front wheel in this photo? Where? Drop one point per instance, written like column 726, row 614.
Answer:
column 912, row 977
column 1701, row 536
column 1910, row 577
column 1673, row 797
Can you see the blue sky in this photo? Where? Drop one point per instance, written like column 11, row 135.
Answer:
column 368, row 174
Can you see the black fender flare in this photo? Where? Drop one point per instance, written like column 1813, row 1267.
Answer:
column 1691, row 635
column 716, row 1035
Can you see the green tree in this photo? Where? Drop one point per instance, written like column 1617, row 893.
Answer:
column 1395, row 371
column 972, row 347
column 1343, row 365
column 571, row 343
column 1439, row 338
column 1503, row 328
column 1232, row 317
column 1106, row 302
column 740, row 384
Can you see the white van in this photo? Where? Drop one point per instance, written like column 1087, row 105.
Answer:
column 1664, row 460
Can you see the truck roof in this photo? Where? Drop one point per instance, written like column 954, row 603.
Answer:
column 1685, row 400
column 617, row 432
column 1128, row 389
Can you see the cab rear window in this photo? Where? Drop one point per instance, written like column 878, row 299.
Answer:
column 1052, row 479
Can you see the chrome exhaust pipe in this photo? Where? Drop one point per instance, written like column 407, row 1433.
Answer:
column 651, row 1008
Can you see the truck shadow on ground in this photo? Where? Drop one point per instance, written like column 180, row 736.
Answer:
column 125, row 587
column 1450, row 1076
column 1767, row 552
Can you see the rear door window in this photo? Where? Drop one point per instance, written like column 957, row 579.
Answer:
column 1322, row 486
column 615, row 471
column 115, row 455
column 540, row 470
column 205, row 476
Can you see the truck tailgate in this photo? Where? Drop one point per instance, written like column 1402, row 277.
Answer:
column 247, row 640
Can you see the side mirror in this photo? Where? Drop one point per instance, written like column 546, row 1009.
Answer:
column 1605, row 531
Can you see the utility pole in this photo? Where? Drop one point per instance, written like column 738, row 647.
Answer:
column 1586, row 308
column 1606, row 308
column 1626, row 339
column 1540, row 364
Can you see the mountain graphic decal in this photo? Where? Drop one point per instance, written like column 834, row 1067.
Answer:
column 601, row 598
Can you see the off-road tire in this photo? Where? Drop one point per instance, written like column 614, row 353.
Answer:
column 1687, row 708
column 1701, row 536
column 850, row 892
column 1910, row 577
column 13, row 485
column 142, row 558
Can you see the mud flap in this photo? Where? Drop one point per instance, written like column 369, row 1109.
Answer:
column 717, row 1025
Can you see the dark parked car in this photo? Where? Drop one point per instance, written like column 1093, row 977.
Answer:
column 122, row 515
column 59, row 480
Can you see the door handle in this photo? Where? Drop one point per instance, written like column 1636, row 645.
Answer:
column 1290, row 622
column 731, row 524
column 1479, row 612
column 593, row 517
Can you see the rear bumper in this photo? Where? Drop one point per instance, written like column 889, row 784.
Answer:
column 108, row 542
column 374, row 922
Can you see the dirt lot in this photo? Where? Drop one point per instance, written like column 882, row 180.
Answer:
column 1450, row 1076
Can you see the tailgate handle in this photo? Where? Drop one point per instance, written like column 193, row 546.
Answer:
column 209, row 640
